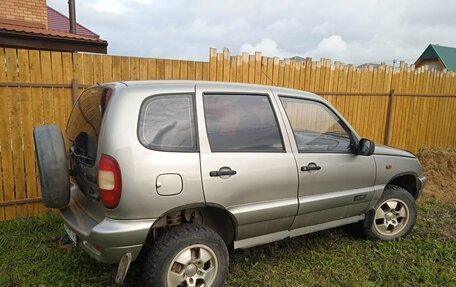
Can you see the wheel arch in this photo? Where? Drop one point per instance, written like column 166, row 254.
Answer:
column 211, row 215
column 406, row 180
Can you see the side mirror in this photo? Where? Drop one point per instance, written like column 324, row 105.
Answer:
column 365, row 147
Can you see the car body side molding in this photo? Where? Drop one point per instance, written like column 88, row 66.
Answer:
column 268, row 238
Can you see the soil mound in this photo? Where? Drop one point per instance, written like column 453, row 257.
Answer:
column 440, row 168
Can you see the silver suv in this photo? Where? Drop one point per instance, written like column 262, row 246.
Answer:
column 183, row 171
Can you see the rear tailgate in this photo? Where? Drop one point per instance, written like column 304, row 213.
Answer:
column 92, row 208
column 82, row 131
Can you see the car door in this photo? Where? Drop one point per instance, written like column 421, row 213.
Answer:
column 334, row 182
column 247, row 164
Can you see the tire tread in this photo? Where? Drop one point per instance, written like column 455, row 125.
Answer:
column 392, row 191
column 157, row 254
column 52, row 165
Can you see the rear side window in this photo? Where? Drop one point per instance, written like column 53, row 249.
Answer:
column 241, row 123
column 167, row 123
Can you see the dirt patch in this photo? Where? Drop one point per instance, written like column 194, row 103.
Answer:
column 440, row 168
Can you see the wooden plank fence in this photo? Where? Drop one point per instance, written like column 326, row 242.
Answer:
column 406, row 107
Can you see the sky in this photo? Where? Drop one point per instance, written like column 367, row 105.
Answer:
column 351, row 31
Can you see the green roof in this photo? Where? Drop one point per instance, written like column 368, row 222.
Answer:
column 446, row 55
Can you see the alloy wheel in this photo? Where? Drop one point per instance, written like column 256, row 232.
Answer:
column 391, row 217
column 194, row 266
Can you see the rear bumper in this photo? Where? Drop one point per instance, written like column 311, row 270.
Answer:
column 108, row 240
column 421, row 183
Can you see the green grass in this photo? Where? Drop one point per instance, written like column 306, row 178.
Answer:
column 29, row 256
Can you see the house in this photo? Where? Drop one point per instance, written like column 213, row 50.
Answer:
column 367, row 65
column 298, row 59
column 438, row 57
column 32, row 24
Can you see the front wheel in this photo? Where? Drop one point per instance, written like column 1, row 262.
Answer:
column 394, row 216
column 187, row 255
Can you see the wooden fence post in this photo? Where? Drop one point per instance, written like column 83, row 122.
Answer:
column 389, row 117
column 74, row 90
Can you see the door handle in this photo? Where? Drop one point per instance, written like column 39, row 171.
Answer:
column 223, row 171
column 310, row 166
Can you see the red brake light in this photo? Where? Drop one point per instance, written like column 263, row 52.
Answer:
column 109, row 181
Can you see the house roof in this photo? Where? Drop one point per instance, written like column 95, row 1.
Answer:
column 24, row 34
column 298, row 59
column 32, row 31
column 59, row 22
column 446, row 55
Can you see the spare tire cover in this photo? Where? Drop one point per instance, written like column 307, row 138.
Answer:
column 52, row 164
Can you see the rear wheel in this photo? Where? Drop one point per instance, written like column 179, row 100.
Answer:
column 187, row 255
column 394, row 216
column 52, row 165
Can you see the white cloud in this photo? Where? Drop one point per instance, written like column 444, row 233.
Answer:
column 202, row 28
column 333, row 44
column 334, row 47
column 352, row 31
column 110, row 6
column 267, row 46
column 321, row 29
column 284, row 25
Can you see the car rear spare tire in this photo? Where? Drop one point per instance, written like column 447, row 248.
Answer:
column 52, row 165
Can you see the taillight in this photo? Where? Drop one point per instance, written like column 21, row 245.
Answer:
column 109, row 181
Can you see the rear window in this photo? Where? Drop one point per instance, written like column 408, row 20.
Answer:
column 85, row 119
column 83, row 129
column 167, row 123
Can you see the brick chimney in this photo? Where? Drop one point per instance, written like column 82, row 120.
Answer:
column 26, row 13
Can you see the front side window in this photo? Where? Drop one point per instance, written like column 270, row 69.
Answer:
column 316, row 128
column 167, row 123
column 241, row 123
